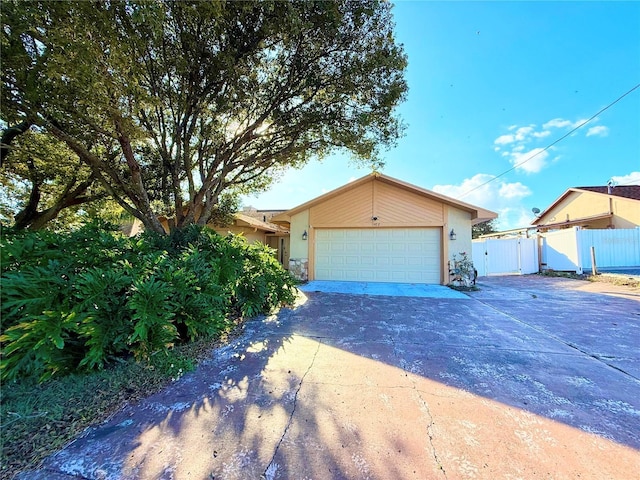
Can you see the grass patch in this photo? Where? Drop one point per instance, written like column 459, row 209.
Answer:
column 40, row 418
column 612, row 278
column 615, row 279
column 555, row 273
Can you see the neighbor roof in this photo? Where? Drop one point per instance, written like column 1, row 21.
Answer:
column 626, row 191
column 631, row 192
column 478, row 214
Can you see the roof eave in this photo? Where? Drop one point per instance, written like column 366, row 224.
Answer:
column 577, row 221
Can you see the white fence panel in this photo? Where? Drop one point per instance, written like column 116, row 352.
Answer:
column 529, row 262
column 561, row 251
column 505, row 256
column 613, row 248
column 478, row 257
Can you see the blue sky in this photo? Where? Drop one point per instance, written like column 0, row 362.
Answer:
column 492, row 83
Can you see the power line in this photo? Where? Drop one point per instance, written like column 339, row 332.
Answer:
column 552, row 144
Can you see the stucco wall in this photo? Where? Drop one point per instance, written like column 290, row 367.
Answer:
column 299, row 223
column 578, row 205
column 246, row 232
column 626, row 213
column 460, row 222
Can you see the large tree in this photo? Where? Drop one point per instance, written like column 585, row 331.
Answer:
column 171, row 104
column 484, row 228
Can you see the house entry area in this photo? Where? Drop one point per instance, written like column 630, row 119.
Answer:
column 405, row 255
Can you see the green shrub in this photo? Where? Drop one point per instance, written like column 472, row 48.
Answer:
column 80, row 300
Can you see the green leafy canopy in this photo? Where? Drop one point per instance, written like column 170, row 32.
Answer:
column 170, row 104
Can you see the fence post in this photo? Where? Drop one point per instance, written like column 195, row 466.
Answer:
column 578, row 237
column 594, row 268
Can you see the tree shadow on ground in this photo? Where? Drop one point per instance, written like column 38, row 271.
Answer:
column 349, row 386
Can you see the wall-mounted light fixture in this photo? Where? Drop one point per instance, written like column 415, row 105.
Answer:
column 304, row 235
column 452, row 234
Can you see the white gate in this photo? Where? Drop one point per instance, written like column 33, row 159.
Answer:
column 501, row 256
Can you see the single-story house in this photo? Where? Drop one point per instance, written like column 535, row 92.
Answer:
column 593, row 208
column 255, row 230
column 379, row 229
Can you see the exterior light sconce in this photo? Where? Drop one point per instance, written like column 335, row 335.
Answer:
column 304, row 235
column 452, row 235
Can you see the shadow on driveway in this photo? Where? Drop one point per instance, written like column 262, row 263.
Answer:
column 526, row 379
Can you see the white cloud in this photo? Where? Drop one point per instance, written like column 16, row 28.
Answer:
column 542, row 134
column 530, row 162
column 504, row 139
column 499, row 196
column 525, row 143
column 557, row 123
column 599, row 130
column 514, row 217
column 523, row 132
column 631, row 179
column 514, row 190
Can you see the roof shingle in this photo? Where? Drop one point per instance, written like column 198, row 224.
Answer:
column 626, row 191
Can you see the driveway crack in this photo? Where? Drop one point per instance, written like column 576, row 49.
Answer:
column 272, row 468
column 425, row 407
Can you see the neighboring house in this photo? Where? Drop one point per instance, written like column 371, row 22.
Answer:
column 593, row 208
column 379, row 229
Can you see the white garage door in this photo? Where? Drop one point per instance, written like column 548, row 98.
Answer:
column 403, row 255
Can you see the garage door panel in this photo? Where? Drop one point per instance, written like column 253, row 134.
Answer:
column 367, row 248
column 382, row 248
column 367, row 261
column 399, row 262
column 378, row 255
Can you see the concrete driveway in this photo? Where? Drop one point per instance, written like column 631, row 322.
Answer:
column 528, row 378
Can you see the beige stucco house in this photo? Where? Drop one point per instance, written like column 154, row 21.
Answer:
column 379, row 229
column 593, row 208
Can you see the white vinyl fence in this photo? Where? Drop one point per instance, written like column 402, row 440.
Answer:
column 613, row 248
column 499, row 256
column 568, row 250
column 561, row 251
